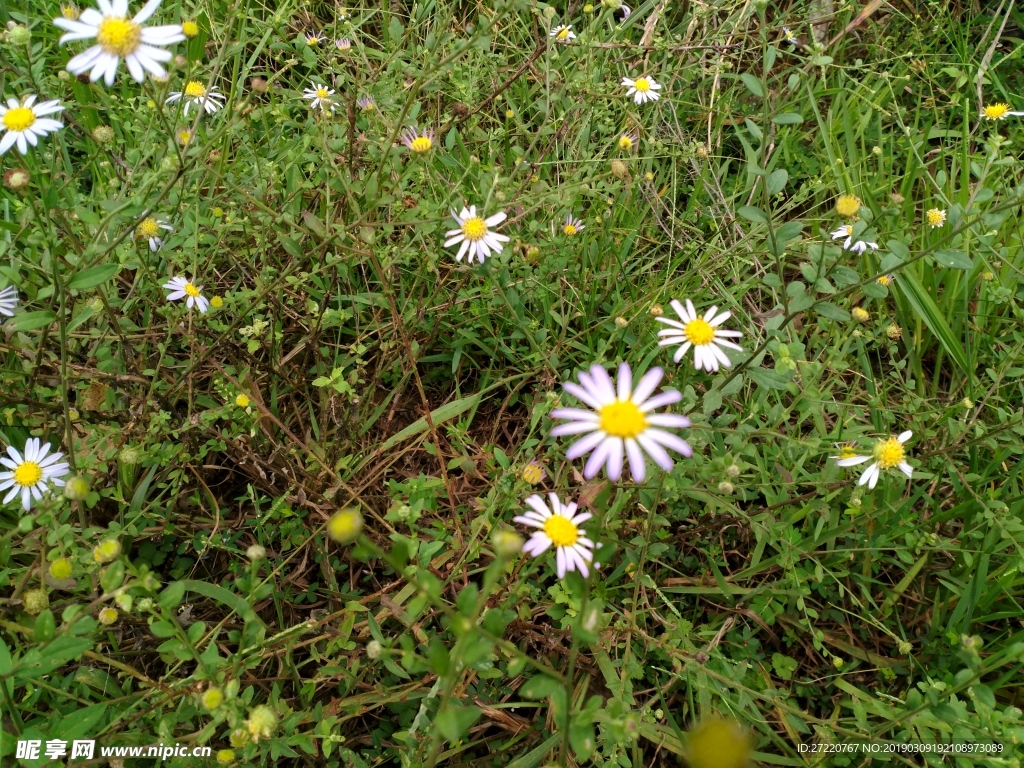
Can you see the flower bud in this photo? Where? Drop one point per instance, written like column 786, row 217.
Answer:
column 17, row 179
column 76, row 488
column 106, row 551
column 61, row 569
column 19, row 35
column 256, row 553
column 619, row 168
column 212, row 698
column 239, row 738
column 103, row 134
column 345, row 525
column 374, row 650
column 225, row 756
column 507, row 543
column 107, row 616
column 726, row 487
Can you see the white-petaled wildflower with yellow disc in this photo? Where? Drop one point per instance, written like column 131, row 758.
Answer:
column 118, row 37
column 24, row 122
column 999, row 111
column 183, row 288
column 320, row 96
column 30, row 474
column 572, row 226
column 935, row 217
column 701, row 333
column 8, row 301
column 887, row 454
column 418, row 141
column 149, row 229
column 195, row 93
column 559, row 527
column 627, row 141
column 858, row 246
column 621, row 424
column 642, row 89
column 563, row 34
column 474, row 235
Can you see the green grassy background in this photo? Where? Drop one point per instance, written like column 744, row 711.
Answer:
column 385, row 377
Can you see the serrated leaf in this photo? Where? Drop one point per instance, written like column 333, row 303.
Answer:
column 90, row 278
column 753, row 84
column 29, row 321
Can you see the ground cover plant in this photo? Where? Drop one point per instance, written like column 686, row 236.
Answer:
column 512, row 384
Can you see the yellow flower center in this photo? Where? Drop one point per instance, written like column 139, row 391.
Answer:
column 561, row 531
column 420, row 144
column 533, row 474
column 191, row 290
column 28, row 474
column 642, row 84
column 184, row 136
column 884, row 280
column 996, row 111
column 118, row 36
column 189, row 28
column 148, row 228
column 242, row 401
column 569, row 229
column 474, row 229
column 699, row 332
column 622, row 419
column 936, row 217
column 19, row 119
column 847, row 205
column 625, row 143
column 563, row 34
column 888, row 453
column 195, row 89
column 322, row 93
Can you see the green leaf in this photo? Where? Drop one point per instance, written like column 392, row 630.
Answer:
column 784, row 666
column 767, row 378
column 754, row 214
column 90, row 278
column 788, row 118
column 953, row 259
column 45, row 626
column 235, row 602
column 844, row 276
column 925, row 308
column 789, row 231
column 172, row 595
column 446, row 412
column 832, row 312
column 112, row 576
column 29, row 321
column 539, row 687
column 777, row 181
column 581, row 739
column 753, row 84
column 454, row 722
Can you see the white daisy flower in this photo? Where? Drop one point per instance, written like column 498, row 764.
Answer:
column 118, row 37
column 320, row 95
column 475, row 235
column 572, row 226
column 31, row 474
column 857, row 247
column 563, row 34
column 702, row 333
column 149, row 229
column 343, row 44
column 559, row 527
column 198, row 94
column 418, row 141
column 315, row 38
column 642, row 89
column 8, row 301
column 935, row 217
column 789, row 37
column 24, row 122
column 621, row 423
column 887, row 454
column 627, row 141
column 183, row 288
column 998, row 111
